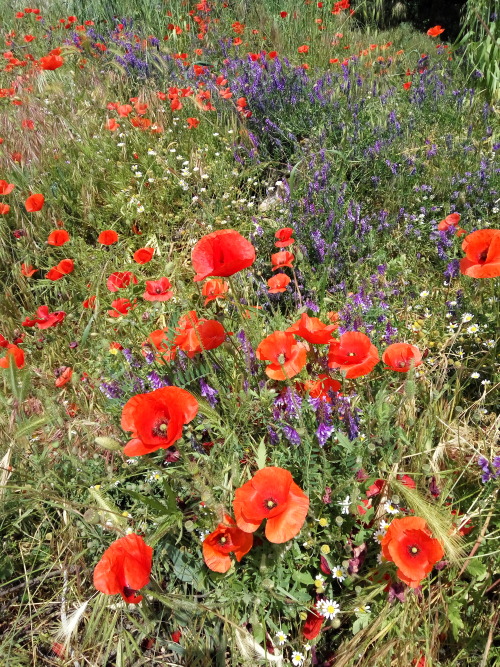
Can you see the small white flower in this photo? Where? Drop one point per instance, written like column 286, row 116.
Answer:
column 344, row 504
column 485, row 382
column 140, row 209
column 390, row 508
column 281, row 638
column 298, row 658
column 328, row 608
column 472, row 329
column 364, row 609
column 475, row 375
column 467, row 317
column 138, row 174
column 338, row 573
column 424, row 294
column 151, row 152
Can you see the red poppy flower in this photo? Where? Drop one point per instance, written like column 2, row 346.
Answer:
column 51, row 62
column 156, row 419
column 159, row 340
column 192, row 123
column 312, row 329
column 273, row 495
column 278, row 283
column 195, row 335
column 112, row 125
column 284, row 236
column 124, row 568
column 313, row 624
column 401, row 357
column 144, row 255
column 281, row 259
column 120, row 307
column 482, row 254
column 214, row 289
column 225, row 539
column 322, row 387
column 303, row 49
column 221, row 253
column 63, row 375
column 3, row 341
column 353, row 354
column 120, row 280
column 375, row 488
column 434, row 32
column 44, row 318
column 58, row 237
column 107, row 237
column 34, row 203
column 6, row 188
column 451, row 220
column 90, row 302
column 407, row 85
column 28, row 270
column 4, row 209
column 62, row 269
column 158, row 290
column 408, row 543
column 287, row 355
column 141, row 123
column 283, row 14
column 14, row 353
column 124, row 110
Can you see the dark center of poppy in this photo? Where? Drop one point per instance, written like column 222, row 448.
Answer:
column 158, row 290
column 482, row 256
column 160, row 428
column 222, row 539
column 402, row 364
column 128, row 592
column 413, row 550
column 270, row 504
column 281, row 359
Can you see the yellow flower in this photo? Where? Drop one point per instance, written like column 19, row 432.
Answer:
column 323, row 522
column 325, row 549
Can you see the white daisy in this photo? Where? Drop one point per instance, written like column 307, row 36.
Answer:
column 467, row 317
column 298, row 658
column 281, row 638
column 338, row 573
column 328, row 608
column 364, row 609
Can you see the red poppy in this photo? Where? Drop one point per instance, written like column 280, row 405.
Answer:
column 158, row 290
column 124, row 110
column 28, row 270
column 312, row 329
column 434, row 32
column 408, row 481
column 225, row 539
column 4, row 209
column 353, row 354
column 62, row 269
column 58, row 237
column 281, row 259
column 313, row 624
column 14, row 353
column 284, row 236
column 195, row 335
column 63, row 375
column 51, row 62
column 156, row 419
column 303, row 49
column 375, row 488
column 482, row 254
column 287, row 355
column 322, row 387
column 214, row 289
column 124, row 568
column 278, row 283
column 34, row 203
column 144, row 255
column 141, row 123
column 283, row 14
column 273, row 495
column 192, row 123
column 120, row 307
column 6, row 188
column 407, row 85
column 221, row 253
column 401, row 357
column 408, row 543
column 44, row 318
column 90, row 302
column 451, row 220
column 161, row 344
column 112, row 125
column 107, row 237
column 3, row 341
column 120, row 280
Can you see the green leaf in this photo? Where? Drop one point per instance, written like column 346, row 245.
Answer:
column 477, row 568
column 182, row 567
column 150, row 502
column 261, row 455
column 454, row 609
column 303, row 578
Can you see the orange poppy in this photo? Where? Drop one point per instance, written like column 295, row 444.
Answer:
column 6, row 188
column 321, row 387
column 156, row 419
column 353, row 354
column 451, row 220
column 123, row 110
column 63, row 375
column 401, row 357
column 120, row 280
column 408, row 543
column 58, row 237
column 312, row 329
column 273, row 495
column 144, row 255
column 192, row 123
column 62, row 269
column 225, row 539
column 51, row 62
column 284, row 236
column 4, row 209
column 434, row 32
column 90, row 302
column 158, row 290
column 44, row 318
column 221, row 253
column 214, row 289
column 195, row 336
column 28, row 270
column 278, row 283
column 303, row 49
column 482, row 254
column 124, row 568
column 287, row 355
column 112, row 125
column 162, row 344
column 281, row 259
column 34, row 203
column 107, row 237
column 120, row 307
column 15, row 353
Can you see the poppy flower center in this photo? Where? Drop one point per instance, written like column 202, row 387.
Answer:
column 158, row 290
column 128, row 592
column 222, row 540
column 160, row 429
column 482, row 256
column 351, row 354
column 281, row 359
column 270, row 504
column 413, row 550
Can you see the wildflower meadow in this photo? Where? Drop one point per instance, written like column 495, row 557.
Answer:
column 249, row 334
